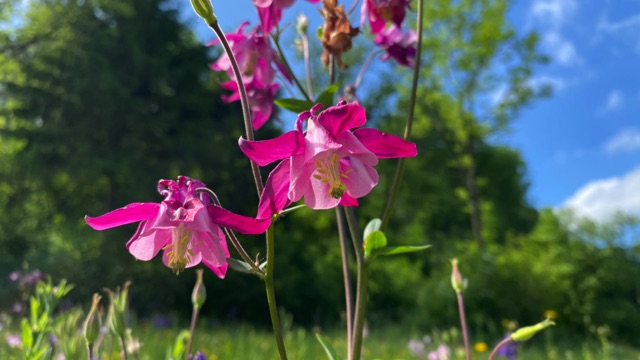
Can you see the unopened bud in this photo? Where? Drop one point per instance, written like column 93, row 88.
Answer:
column 204, row 9
column 525, row 333
column 118, row 309
column 93, row 323
column 199, row 294
column 302, row 24
column 457, row 282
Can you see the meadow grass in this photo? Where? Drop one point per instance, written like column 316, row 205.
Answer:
column 245, row 342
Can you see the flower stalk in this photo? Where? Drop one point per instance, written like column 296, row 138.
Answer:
column 393, row 194
column 348, row 290
column 198, row 297
column 271, row 293
column 361, row 285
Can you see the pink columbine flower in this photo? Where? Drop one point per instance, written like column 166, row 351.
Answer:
column 327, row 165
column 379, row 12
column 258, row 63
column 185, row 225
column 270, row 11
column 398, row 45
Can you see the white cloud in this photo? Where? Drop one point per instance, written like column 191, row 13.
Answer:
column 600, row 199
column 551, row 16
column 623, row 32
column 614, row 101
column 553, row 12
column 625, row 141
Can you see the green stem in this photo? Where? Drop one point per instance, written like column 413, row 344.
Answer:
column 307, row 64
column 463, row 325
column 502, row 343
column 361, row 287
column 123, row 342
column 89, row 352
column 348, row 291
column 271, row 293
column 407, row 130
column 244, row 100
column 286, row 65
column 192, row 331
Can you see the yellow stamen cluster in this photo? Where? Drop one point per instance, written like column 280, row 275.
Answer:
column 329, row 172
column 180, row 253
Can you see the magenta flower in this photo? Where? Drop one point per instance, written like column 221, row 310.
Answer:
column 401, row 46
column 379, row 12
column 258, row 62
column 270, row 11
column 185, row 225
column 327, row 165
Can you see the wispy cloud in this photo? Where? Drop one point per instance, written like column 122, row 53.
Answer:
column 626, row 140
column 551, row 16
column 622, row 32
column 614, row 101
column 600, row 199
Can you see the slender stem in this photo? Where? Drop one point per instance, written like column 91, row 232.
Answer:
column 192, row 331
column 365, row 65
column 230, row 234
column 332, row 70
column 271, row 293
column 288, row 67
column 407, row 130
column 123, row 342
column 89, row 352
column 353, row 7
column 307, row 63
column 286, row 211
column 348, row 296
column 361, row 287
column 502, row 343
column 463, row 325
column 244, row 100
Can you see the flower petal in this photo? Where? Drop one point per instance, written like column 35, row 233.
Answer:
column 347, row 200
column 317, row 195
column 212, row 248
column 275, row 194
column 219, row 269
column 361, row 179
column 126, row 215
column 385, row 146
column 243, row 224
column 147, row 242
column 267, row 151
column 342, row 117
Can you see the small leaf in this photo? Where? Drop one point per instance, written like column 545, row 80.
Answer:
column 331, row 354
column 239, row 265
column 295, row 105
column 376, row 240
column 373, row 225
column 326, row 97
column 395, row 250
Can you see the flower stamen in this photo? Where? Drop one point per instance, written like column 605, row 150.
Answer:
column 181, row 253
column 329, row 172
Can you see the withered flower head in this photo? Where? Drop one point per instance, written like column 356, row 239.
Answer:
column 337, row 32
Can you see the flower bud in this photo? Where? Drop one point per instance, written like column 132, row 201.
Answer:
column 525, row 333
column 93, row 323
column 204, row 9
column 199, row 294
column 302, row 24
column 118, row 309
column 457, row 282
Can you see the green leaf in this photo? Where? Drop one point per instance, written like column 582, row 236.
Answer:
column 243, row 267
column 376, row 240
column 295, row 105
column 395, row 250
column 373, row 225
column 331, row 354
column 27, row 335
column 326, row 97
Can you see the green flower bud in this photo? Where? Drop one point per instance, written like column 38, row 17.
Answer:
column 118, row 309
column 457, row 282
column 199, row 294
column 525, row 333
column 204, row 9
column 93, row 323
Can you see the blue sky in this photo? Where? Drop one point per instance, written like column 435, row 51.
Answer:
column 582, row 145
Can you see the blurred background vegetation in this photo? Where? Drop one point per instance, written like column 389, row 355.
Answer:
column 101, row 98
